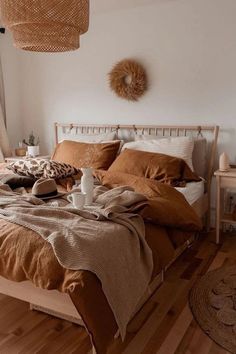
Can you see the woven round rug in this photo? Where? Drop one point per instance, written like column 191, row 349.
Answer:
column 213, row 304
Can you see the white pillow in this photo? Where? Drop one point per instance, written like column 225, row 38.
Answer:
column 91, row 138
column 181, row 147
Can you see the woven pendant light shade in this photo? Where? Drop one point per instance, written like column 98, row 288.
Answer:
column 46, row 25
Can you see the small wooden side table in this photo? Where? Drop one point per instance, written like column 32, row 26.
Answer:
column 223, row 180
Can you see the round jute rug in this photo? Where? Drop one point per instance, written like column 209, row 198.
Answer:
column 213, row 304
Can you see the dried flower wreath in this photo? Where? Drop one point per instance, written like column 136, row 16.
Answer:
column 128, row 79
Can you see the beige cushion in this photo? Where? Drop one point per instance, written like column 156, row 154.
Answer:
column 92, row 138
column 199, row 156
column 181, row 147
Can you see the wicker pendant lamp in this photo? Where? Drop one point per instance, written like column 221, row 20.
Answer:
column 46, row 25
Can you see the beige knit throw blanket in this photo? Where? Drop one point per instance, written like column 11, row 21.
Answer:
column 108, row 241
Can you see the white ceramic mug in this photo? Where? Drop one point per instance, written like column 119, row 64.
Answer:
column 77, row 199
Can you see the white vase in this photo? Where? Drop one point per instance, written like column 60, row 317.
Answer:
column 87, row 184
column 33, row 151
column 224, row 162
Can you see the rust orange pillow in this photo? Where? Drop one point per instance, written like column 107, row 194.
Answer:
column 166, row 207
column 163, row 168
column 78, row 154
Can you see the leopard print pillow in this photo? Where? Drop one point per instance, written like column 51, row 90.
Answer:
column 38, row 168
column 29, row 167
column 54, row 169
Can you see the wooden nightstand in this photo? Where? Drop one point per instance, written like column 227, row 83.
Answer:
column 223, row 180
column 17, row 158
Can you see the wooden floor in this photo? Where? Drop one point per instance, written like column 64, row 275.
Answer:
column 165, row 324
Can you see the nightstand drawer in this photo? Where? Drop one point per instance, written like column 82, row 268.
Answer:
column 227, row 182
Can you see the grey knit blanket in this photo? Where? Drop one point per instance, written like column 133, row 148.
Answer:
column 108, row 241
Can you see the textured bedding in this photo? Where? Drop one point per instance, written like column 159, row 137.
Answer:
column 94, row 240
column 192, row 191
column 24, row 255
column 3, row 169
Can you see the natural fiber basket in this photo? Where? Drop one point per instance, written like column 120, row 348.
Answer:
column 46, row 25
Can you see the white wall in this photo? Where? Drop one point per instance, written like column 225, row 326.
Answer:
column 187, row 46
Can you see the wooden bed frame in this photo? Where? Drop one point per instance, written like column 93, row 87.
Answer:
column 59, row 304
column 202, row 205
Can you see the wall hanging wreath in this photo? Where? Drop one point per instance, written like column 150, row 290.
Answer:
column 128, row 79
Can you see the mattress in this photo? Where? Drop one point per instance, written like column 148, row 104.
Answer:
column 193, row 191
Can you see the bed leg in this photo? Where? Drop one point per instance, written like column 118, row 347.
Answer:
column 208, row 213
column 207, row 222
column 93, row 351
column 162, row 276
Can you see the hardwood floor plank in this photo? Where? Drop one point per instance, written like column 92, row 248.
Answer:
column 177, row 332
column 186, row 339
column 216, row 349
column 193, row 266
column 169, row 320
column 200, row 342
column 163, row 326
column 148, row 329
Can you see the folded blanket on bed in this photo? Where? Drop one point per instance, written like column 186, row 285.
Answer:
column 109, row 241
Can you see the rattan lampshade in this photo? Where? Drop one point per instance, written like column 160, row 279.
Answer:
column 46, row 25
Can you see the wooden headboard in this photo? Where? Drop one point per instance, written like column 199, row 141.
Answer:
column 210, row 132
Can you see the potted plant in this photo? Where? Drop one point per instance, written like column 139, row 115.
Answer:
column 32, row 145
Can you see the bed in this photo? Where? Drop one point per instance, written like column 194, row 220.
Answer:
column 198, row 194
